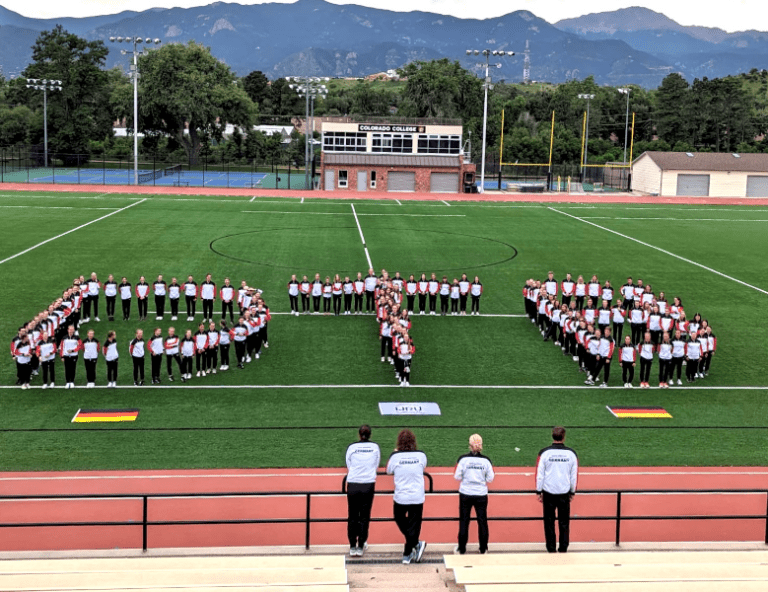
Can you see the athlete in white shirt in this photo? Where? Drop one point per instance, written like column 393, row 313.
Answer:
column 363, row 458
column 407, row 464
column 474, row 471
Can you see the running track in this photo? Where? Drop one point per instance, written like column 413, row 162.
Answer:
column 230, row 480
column 379, row 196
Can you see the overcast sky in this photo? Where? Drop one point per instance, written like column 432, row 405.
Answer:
column 735, row 15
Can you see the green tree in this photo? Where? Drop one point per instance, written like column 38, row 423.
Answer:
column 14, row 125
column 256, row 85
column 80, row 112
column 440, row 88
column 673, row 109
column 284, row 102
column 187, row 93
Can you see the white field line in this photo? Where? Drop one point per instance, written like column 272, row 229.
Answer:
column 398, row 202
column 673, row 219
column 721, row 274
column 57, row 208
column 182, row 313
column 254, row 197
column 662, row 207
column 70, row 231
column 446, row 203
column 583, row 472
column 302, row 200
column 345, row 213
column 362, row 238
column 559, row 387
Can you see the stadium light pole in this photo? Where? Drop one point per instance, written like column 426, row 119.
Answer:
column 44, row 85
column 309, row 87
column 136, row 41
column 626, row 91
column 586, row 98
column 487, row 53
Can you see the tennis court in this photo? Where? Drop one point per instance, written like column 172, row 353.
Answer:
column 172, row 176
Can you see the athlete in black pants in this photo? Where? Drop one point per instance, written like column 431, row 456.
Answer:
column 136, row 349
column 363, row 459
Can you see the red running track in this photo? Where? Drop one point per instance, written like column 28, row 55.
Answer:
column 334, row 505
column 379, row 196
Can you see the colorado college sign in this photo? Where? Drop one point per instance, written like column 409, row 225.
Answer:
column 407, row 129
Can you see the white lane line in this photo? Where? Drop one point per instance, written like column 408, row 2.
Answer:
column 398, row 202
column 254, row 197
column 582, row 472
column 362, row 238
column 673, row 219
column 721, row 274
column 345, row 214
column 422, row 386
column 302, row 200
column 57, row 208
column 70, row 231
column 446, row 203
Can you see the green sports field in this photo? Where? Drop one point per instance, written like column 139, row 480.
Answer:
column 300, row 404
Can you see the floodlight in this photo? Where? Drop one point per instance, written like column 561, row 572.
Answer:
column 119, row 39
column 477, row 52
column 469, row 52
column 123, row 52
column 510, row 53
column 157, row 41
column 112, row 39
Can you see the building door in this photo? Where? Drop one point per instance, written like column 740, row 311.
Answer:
column 757, row 186
column 362, row 181
column 401, row 181
column 693, row 185
column 330, row 181
column 444, row 183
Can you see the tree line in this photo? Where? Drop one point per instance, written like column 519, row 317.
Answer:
column 187, row 96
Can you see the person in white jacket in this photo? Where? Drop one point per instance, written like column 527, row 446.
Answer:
column 557, row 473
column 363, row 458
column 474, row 471
column 407, row 464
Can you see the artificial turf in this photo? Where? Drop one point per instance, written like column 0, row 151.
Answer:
column 267, row 240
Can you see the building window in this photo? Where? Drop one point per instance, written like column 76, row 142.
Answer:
column 392, row 143
column 373, row 179
column 343, row 179
column 435, row 144
column 344, row 142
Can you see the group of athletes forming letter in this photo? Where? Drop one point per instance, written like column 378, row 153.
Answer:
column 54, row 332
column 556, row 481
column 587, row 321
column 337, row 293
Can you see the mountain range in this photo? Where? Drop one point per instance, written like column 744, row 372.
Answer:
column 313, row 37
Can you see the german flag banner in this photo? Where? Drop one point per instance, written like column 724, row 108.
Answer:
column 100, row 415
column 640, row 412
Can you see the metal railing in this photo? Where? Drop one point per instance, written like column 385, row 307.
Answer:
column 308, row 520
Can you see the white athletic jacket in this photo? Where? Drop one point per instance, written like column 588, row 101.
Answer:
column 363, row 460
column 557, row 470
column 408, row 469
column 474, row 471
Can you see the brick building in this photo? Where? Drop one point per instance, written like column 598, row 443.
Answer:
column 416, row 156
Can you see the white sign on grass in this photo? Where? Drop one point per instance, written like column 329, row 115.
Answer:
column 409, row 408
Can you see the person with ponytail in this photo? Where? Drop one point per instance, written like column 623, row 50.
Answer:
column 363, row 459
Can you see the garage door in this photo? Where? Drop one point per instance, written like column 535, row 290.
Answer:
column 693, row 185
column 444, row 183
column 401, row 181
column 757, row 186
column 329, row 180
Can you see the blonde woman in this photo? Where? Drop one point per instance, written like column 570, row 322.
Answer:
column 474, row 471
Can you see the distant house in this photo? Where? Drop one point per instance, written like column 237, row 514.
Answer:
column 268, row 130
column 701, row 174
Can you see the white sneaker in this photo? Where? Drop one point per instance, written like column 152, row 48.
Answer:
column 353, row 551
column 407, row 559
column 45, row 386
column 51, row 385
column 575, row 358
column 432, row 313
column 174, row 318
column 679, row 382
column 24, row 387
column 258, row 356
column 382, row 359
column 670, row 382
column 198, row 374
column 266, row 344
column 248, row 359
column 603, row 384
column 213, row 371
column 421, row 312
column 156, row 318
column 98, row 320
column 419, row 551
column 90, row 385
